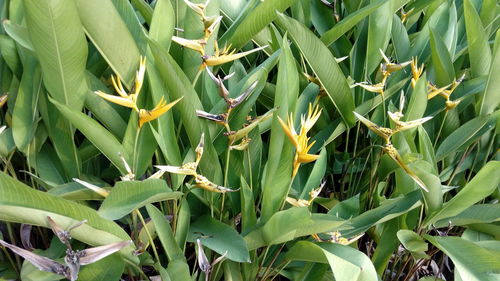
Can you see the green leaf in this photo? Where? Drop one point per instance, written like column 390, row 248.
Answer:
column 177, row 266
column 22, row 204
column 463, row 136
column 346, row 263
column 95, row 133
column 162, row 23
column 491, row 96
column 479, row 50
column 471, row 261
column 483, row 213
column 441, row 61
column 379, row 34
column 349, row 22
column 258, row 18
column 127, row 196
column 100, row 19
column 19, row 34
column 108, row 269
column 413, row 243
column 279, row 171
column 292, row 223
column 324, row 66
column 483, row 184
column 390, row 209
column 59, row 41
column 219, row 237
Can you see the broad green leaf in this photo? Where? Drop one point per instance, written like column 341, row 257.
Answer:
column 463, row 136
column 131, row 20
column 162, row 23
column 379, row 34
column 255, row 21
column 471, row 261
column 388, row 210
column 482, row 185
column 108, row 269
column 278, row 172
column 349, row 22
column 324, row 66
column 100, row 19
column 177, row 265
column 25, row 110
column 219, row 237
column 413, row 243
column 127, row 196
column 95, row 133
column 19, row 34
column 482, row 213
column 292, row 223
column 479, row 50
column 248, row 215
column 9, row 54
column 59, row 41
column 491, row 97
column 22, row 204
column 346, row 263
column 316, row 175
column 441, row 61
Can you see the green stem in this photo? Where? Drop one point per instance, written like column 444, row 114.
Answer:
column 151, row 241
column 134, row 159
column 440, row 129
column 226, row 172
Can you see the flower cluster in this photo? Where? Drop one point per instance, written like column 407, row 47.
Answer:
column 210, row 25
column 130, row 99
column 387, row 133
column 190, row 170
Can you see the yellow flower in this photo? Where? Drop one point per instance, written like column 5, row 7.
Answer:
column 161, row 108
column 197, row 45
column 415, row 71
column 394, row 154
column 404, row 16
column 225, row 55
column 388, row 67
column 336, row 237
column 203, row 182
column 382, row 132
column 190, row 167
column 305, row 203
column 126, row 99
column 375, row 88
column 434, row 91
column 300, row 141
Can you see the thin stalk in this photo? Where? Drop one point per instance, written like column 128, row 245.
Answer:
column 13, row 241
column 197, row 76
column 262, row 262
column 226, row 171
column 134, row 160
column 272, row 261
column 440, row 129
column 281, row 267
column 137, row 268
column 151, row 241
column 11, row 261
column 250, row 168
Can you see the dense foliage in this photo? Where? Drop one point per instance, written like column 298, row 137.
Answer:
column 250, row 140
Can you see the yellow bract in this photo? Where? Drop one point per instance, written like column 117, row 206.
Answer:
column 416, row 71
column 226, row 55
column 149, row 115
column 300, row 141
column 130, row 99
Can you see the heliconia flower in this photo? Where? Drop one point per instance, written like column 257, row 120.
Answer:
column 3, row 99
column 434, row 91
column 382, row 132
column 388, row 67
column 190, row 167
column 126, row 99
column 451, row 104
column 241, row 133
column 223, row 91
column 336, row 237
column 203, row 182
column 130, row 176
column 202, row 259
column 415, row 71
column 63, row 235
column 300, row 141
column 161, row 108
column 198, row 8
column 99, row 190
column 197, row 45
column 211, row 24
column 394, row 154
column 401, row 125
column 73, row 259
column 305, row 203
column 242, row 145
column 217, row 118
column 224, row 56
column 404, row 16
column 375, row 88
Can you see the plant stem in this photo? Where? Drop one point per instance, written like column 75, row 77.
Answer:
column 440, row 129
column 151, row 241
column 134, row 159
